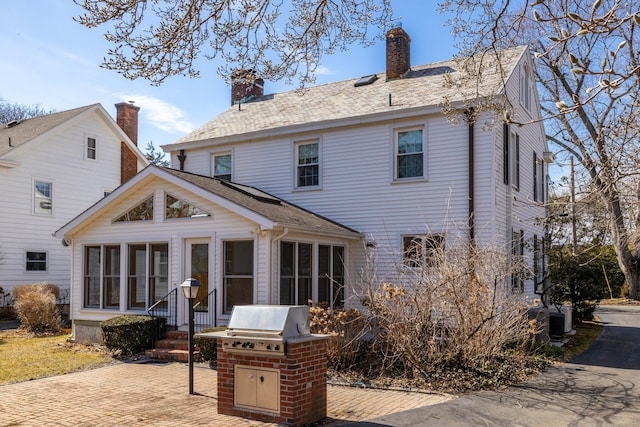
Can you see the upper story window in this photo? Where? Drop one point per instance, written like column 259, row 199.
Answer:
column 221, row 166
column 91, row 148
column 511, row 158
column 142, row 212
column 422, row 250
column 409, row 153
column 526, row 88
column 307, row 164
column 36, row 261
column 42, row 197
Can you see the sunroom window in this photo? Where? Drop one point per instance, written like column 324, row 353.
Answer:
column 142, row 212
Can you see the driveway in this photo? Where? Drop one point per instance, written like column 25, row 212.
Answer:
column 601, row 387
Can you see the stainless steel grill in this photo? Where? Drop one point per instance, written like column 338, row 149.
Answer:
column 265, row 329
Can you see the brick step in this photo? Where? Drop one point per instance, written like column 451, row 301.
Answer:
column 171, row 354
column 177, row 335
column 172, row 344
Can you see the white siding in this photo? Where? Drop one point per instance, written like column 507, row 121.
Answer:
column 57, row 157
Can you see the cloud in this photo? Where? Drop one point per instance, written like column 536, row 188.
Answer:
column 161, row 114
column 324, row 71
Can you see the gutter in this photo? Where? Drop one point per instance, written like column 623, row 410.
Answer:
column 471, row 120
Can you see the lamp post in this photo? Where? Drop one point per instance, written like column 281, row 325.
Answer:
column 190, row 288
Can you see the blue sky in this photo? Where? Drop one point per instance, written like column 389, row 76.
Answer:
column 50, row 60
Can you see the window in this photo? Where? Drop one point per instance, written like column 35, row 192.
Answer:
column 99, row 280
column 137, row 283
column 295, row 273
column 526, row 88
column 175, row 208
column 111, row 277
column 142, row 212
column 515, row 160
column 221, row 166
column 409, row 153
column 423, row 250
column 298, row 285
column 147, row 268
column 92, row 255
column 91, row 148
column 36, row 261
column 42, row 197
column 331, row 275
column 537, row 264
column 158, row 271
column 307, row 164
column 238, row 274
column 517, row 252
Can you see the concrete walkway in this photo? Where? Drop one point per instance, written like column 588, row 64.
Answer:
column 156, row 394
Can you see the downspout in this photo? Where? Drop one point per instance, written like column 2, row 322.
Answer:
column 471, row 121
column 274, row 250
column 182, row 157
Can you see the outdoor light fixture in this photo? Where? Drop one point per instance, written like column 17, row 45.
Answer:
column 190, row 288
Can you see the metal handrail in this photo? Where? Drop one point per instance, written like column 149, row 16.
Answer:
column 206, row 318
column 166, row 307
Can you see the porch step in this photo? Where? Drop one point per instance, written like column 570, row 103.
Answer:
column 174, row 347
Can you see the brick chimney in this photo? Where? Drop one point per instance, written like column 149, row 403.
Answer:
column 245, row 84
column 127, row 119
column 398, row 53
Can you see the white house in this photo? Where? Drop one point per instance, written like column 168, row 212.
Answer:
column 278, row 199
column 51, row 168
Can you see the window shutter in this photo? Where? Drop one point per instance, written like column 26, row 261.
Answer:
column 505, row 153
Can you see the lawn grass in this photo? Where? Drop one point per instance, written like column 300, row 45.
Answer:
column 586, row 333
column 24, row 357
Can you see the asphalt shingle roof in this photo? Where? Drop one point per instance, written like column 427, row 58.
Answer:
column 422, row 86
column 277, row 210
column 28, row 129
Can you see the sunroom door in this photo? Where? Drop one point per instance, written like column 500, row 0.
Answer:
column 197, row 264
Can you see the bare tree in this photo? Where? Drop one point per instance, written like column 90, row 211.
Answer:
column 276, row 39
column 587, row 65
column 10, row 111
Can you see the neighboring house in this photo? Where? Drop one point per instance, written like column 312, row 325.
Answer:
column 51, row 168
column 285, row 198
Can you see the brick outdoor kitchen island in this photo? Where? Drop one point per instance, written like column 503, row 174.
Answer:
column 270, row 368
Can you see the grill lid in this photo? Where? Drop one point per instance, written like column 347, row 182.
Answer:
column 285, row 321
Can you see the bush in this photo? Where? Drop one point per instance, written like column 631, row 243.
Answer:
column 130, row 334
column 36, row 308
column 347, row 330
column 40, row 287
column 208, row 345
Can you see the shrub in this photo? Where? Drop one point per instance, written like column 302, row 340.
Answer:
column 457, row 311
column 208, row 345
column 347, row 330
column 36, row 308
column 130, row 334
column 40, row 287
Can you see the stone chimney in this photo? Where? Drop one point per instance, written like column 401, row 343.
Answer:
column 245, row 85
column 398, row 53
column 127, row 119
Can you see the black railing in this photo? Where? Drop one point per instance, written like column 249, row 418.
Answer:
column 166, row 307
column 204, row 311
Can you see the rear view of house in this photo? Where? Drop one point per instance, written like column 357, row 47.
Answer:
column 286, row 198
column 51, row 168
